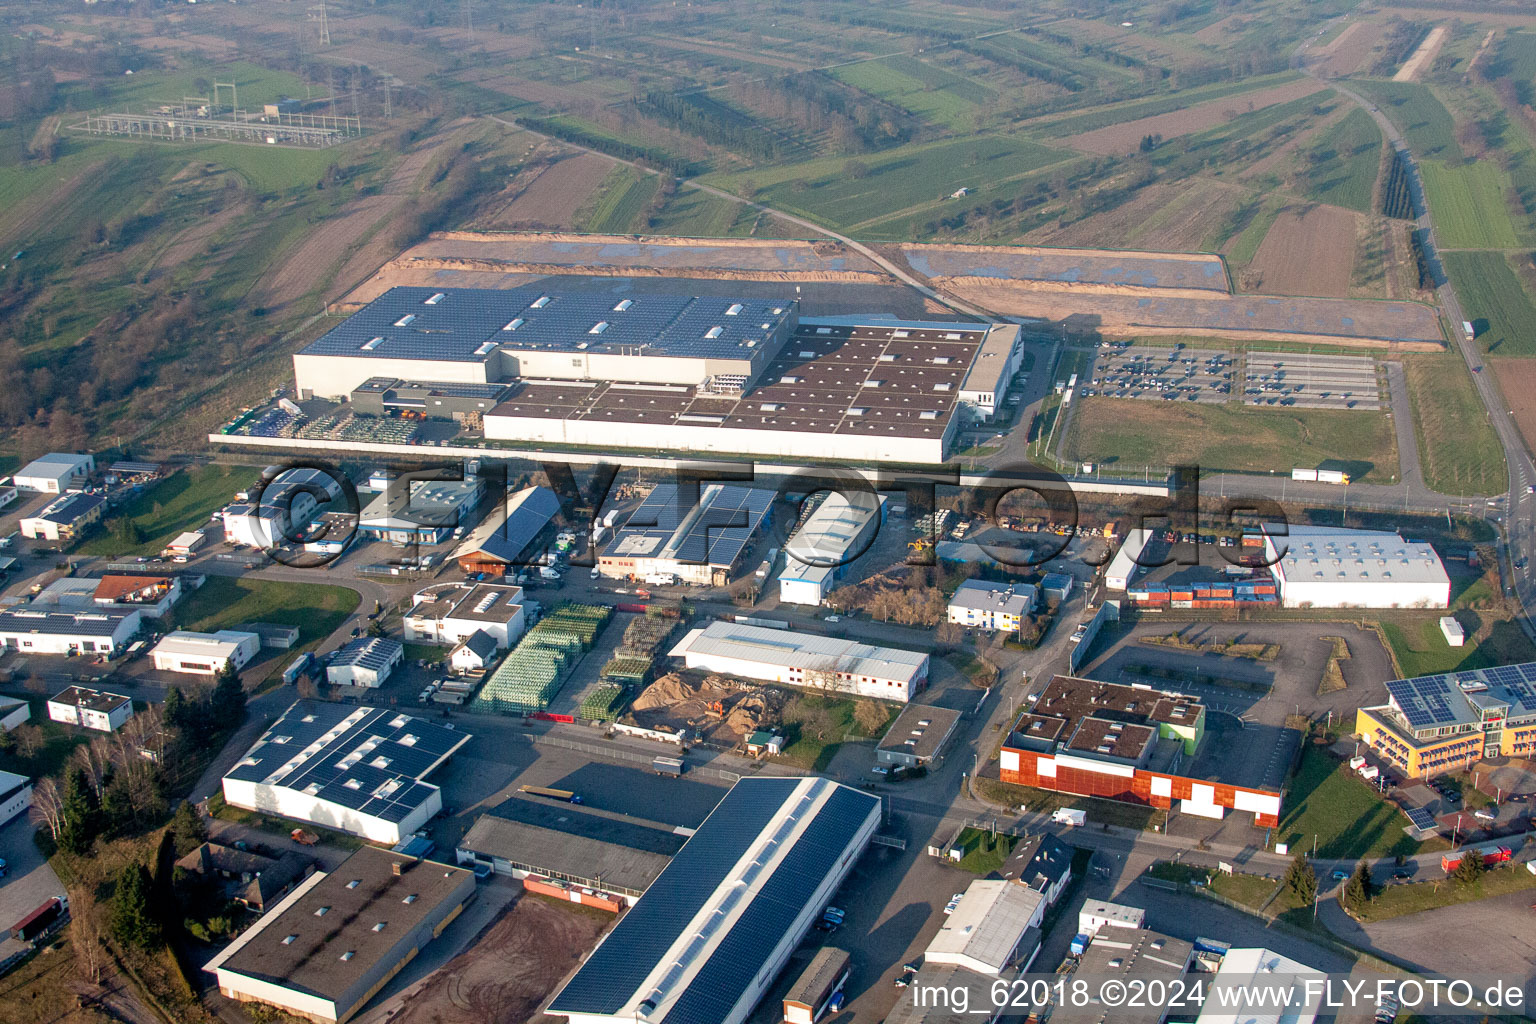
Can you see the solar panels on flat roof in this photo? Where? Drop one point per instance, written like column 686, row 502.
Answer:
column 467, row 324
column 722, row 524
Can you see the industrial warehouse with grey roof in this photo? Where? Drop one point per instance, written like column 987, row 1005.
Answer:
column 712, row 932
column 328, row 946
column 523, row 837
column 354, row 769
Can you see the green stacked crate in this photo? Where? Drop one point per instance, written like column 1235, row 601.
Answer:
column 530, row 677
column 600, row 701
column 627, row 669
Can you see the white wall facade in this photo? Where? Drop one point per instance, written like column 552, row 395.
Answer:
column 54, row 478
column 16, row 716
column 16, row 804
column 844, row 683
column 290, row 803
column 176, row 654
column 801, row 590
column 1327, row 593
column 335, row 377
column 72, row 643
column 88, row 718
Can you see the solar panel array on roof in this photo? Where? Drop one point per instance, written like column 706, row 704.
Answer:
column 1421, row 818
column 1452, row 698
column 705, row 870
column 469, row 324
column 711, row 532
column 370, row 760
column 370, row 652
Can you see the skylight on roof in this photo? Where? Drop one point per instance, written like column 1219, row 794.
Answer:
column 513, row 325
column 714, row 332
column 735, row 309
column 405, row 321
column 372, row 343
column 623, row 305
column 599, row 327
column 435, row 299
column 539, row 303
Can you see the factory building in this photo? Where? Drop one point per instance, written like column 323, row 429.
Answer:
column 998, row 606
column 354, row 769
column 488, row 336
column 48, row 632
column 65, row 517
column 420, row 399
column 55, row 473
column 508, row 533
column 280, row 510
column 700, row 542
column 917, row 737
column 420, row 511
column 1128, row 743
column 90, row 709
column 1441, row 723
column 717, row 926
column 331, row 944
column 995, row 926
column 205, row 654
column 818, row 663
column 1253, row 981
column 1323, row 567
column 834, row 533
column 1143, row 958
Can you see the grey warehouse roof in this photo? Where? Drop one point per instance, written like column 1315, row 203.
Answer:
column 370, row 760
column 469, row 324
column 998, row 598
column 735, row 943
column 789, row 649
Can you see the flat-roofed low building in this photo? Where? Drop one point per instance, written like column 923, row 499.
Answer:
column 1096, row 914
column 34, row 631
column 1252, row 979
column 328, row 947
column 821, row 663
column 90, row 709
column 55, row 473
column 1329, row 567
column 451, row 613
column 996, row 925
column 918, row 736
column 205, row 654
column 13, row 712
column 1141, row 957
column 526, row 838
column 420, row 511
column 15, row 795
column 823, row 978
column 950, row 994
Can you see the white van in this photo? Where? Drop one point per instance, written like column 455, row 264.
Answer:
column 545, row 572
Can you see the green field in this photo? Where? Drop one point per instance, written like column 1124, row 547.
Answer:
column 1131, row 433
column 1397, row 900
column 1343, row 164
column 620, row 200
column 1347, row 817
column 1119, row 113
column 1458, row 450
column 223, row 602
column 1468, row 205
column 1493, row 298
column 183, row 501
column 1418, row 114
column 1421, row 650
column 930, row 92
column 825, row 190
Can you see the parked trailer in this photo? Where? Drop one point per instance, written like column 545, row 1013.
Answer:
column 575, row 893
column 1304, row 474
column 298, row 668
column 1468, row 330
column 668, row 765
column 752, row 620
column 37, row 922
column 1491, row 855
column 1332, row 476
column 553, row 794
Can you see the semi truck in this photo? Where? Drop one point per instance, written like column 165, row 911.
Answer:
column 1492, row 854
column 1467, row 329
column 553, row 794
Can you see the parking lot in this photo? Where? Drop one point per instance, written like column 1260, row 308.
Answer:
column 1120, row 370
column 1312, row 381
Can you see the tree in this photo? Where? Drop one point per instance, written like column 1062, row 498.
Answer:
column 81, row 813
column 1469, row 869
column 1359, row 890
column 189, row 828
column 175, row 710
column 1300, row 879
column 85, row 933
column 133, row 917
column 227, row 702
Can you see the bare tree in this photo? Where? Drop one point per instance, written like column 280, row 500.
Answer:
column 48, row 806
column 85, row 934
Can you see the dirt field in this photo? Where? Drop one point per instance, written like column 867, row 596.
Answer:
column 1197, row 274
column 1309, row 250
column 1167, row 215
column 552, row 198
column 1119, row 139
column 1349, row 50
column 1423, row 56
column 1517, row 379
column 512, row 967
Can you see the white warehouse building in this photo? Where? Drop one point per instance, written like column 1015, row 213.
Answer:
column 360, row 770
column 54, row 473
column 1323, row 567
column 205, row 654
column 49, row 632
column 90, row 709
column 803, row 660
column 830, row 537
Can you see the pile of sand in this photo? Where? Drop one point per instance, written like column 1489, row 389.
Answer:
column 672, row 702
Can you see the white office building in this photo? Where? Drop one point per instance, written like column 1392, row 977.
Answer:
column 205, row 654
column 1254, row 977
column 90, row 709
column 991, row 605
column 824, row 663
column 15, row 795
column 365, row 661
column 55, row 473
column 1324, row 567
column 451, row 613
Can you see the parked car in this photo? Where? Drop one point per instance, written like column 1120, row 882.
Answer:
column 881, row 769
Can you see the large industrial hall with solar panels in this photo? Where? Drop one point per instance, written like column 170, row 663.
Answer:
column 658, row 372
column 1441, row 723
column 721, row 920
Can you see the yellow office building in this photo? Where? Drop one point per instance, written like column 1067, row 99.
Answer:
column 1442, row 723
